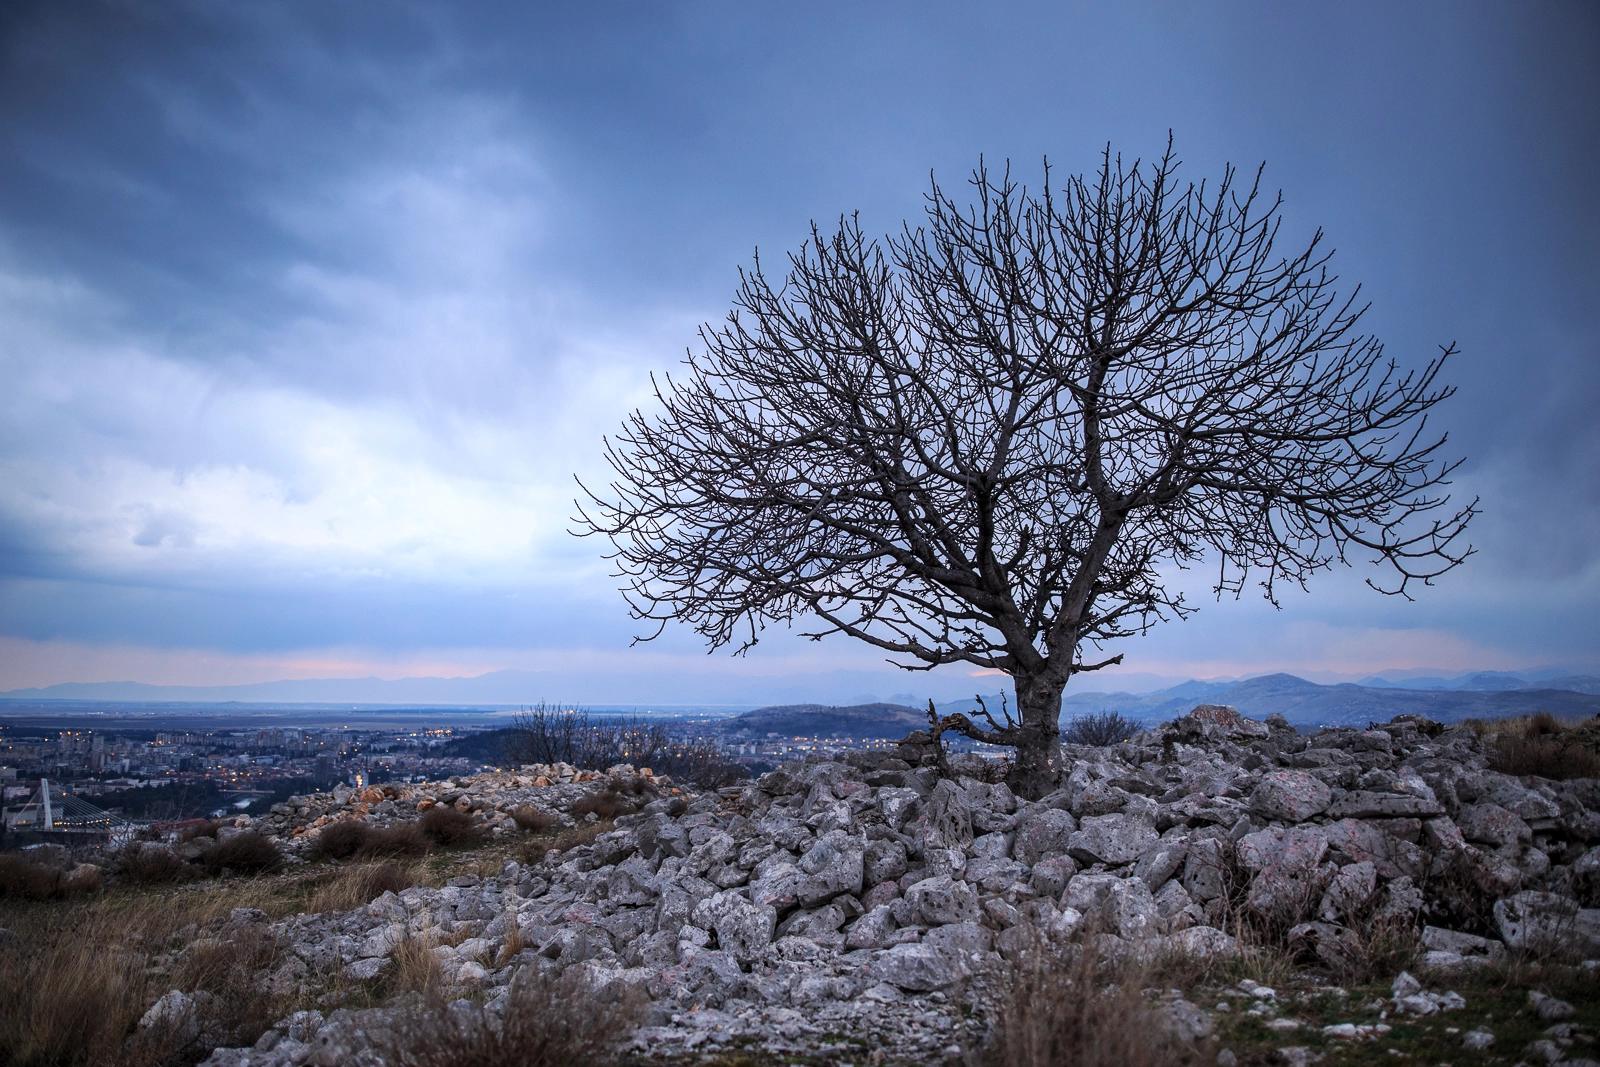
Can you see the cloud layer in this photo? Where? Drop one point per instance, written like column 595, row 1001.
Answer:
column 309, row 315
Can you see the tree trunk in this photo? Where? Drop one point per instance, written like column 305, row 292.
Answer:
column 1038, row 746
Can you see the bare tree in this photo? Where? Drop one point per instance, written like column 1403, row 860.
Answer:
column 549, row 734
column 980, row 441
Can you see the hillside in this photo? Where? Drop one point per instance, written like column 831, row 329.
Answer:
column 819, row 720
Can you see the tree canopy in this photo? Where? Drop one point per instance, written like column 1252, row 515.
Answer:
column 982, row 439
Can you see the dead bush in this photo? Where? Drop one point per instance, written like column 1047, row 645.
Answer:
column 607, row 804
column 341, row 840
column 1100, row 729
column 1539, row 744
column 1062, row 1006
column 145, row 863
column 401, row 839
column 25, row 878
column 447, row 826
column 207, row 829
column 244, row 853
column 547, row 1023
column 22, row 877
column 531, row 818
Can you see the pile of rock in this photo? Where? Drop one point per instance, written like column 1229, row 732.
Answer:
column 490, row 797
column 861, row 895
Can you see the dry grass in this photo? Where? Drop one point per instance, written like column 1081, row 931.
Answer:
column 74, row 979
column 1541, row 745
column 534, row 851
column 548, row 1023
column 1062, row 1006
column 357, row 885
column 226, row 968
column 447, row 826
column 531, row 818
column 414, row 970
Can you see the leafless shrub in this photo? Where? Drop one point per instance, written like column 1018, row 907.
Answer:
column 528, row 817
column 546, row 734
column 605, row 805
column 341, row 840
column 207, row 829
column 1064, row 1005
column 1100, row 729
column 28, row 879
column 547, row 1023
column 401, row 839
column 447, row 826
column 244, row 853
column 144, row 863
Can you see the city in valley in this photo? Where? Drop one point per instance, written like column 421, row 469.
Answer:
column 148, row 767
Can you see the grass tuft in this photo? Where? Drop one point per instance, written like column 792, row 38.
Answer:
column 559, row 1022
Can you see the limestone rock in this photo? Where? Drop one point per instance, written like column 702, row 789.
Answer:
column 1290, row 796
column 1111, row 839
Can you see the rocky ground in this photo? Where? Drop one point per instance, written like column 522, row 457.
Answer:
column 867, row 909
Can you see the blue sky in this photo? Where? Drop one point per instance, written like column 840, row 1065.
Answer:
column 309, row 313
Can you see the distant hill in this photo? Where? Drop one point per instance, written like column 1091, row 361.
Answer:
column 820, row 720
column 1307, row 704
column 1495, row 682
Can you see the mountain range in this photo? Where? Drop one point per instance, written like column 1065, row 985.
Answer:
column 1486, row 695
column 1306, row 705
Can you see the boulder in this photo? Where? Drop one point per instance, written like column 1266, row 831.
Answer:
column 1545, row 922
column 743, row 929
column 1111, row 839
column 941, row 900
column 1491, row 824
column 1043, row 832
column 1290, row 796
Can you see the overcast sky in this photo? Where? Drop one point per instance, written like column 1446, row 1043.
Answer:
column 310, row 312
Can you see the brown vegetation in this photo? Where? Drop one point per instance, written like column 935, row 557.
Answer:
column 340, row 840
column 244, row 853
column 1061, row 1005
column 362, row 884
column 75, row 976
column 401, row 839
column 447, row 826
column 548, row 1023
column 607, row 804
column 145, row 863
column 226, row 967
column 528, row 817
column 351, row 837
column 28, row 879
column 1544, row 746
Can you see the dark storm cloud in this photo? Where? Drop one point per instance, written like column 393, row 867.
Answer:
column 310, row 310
